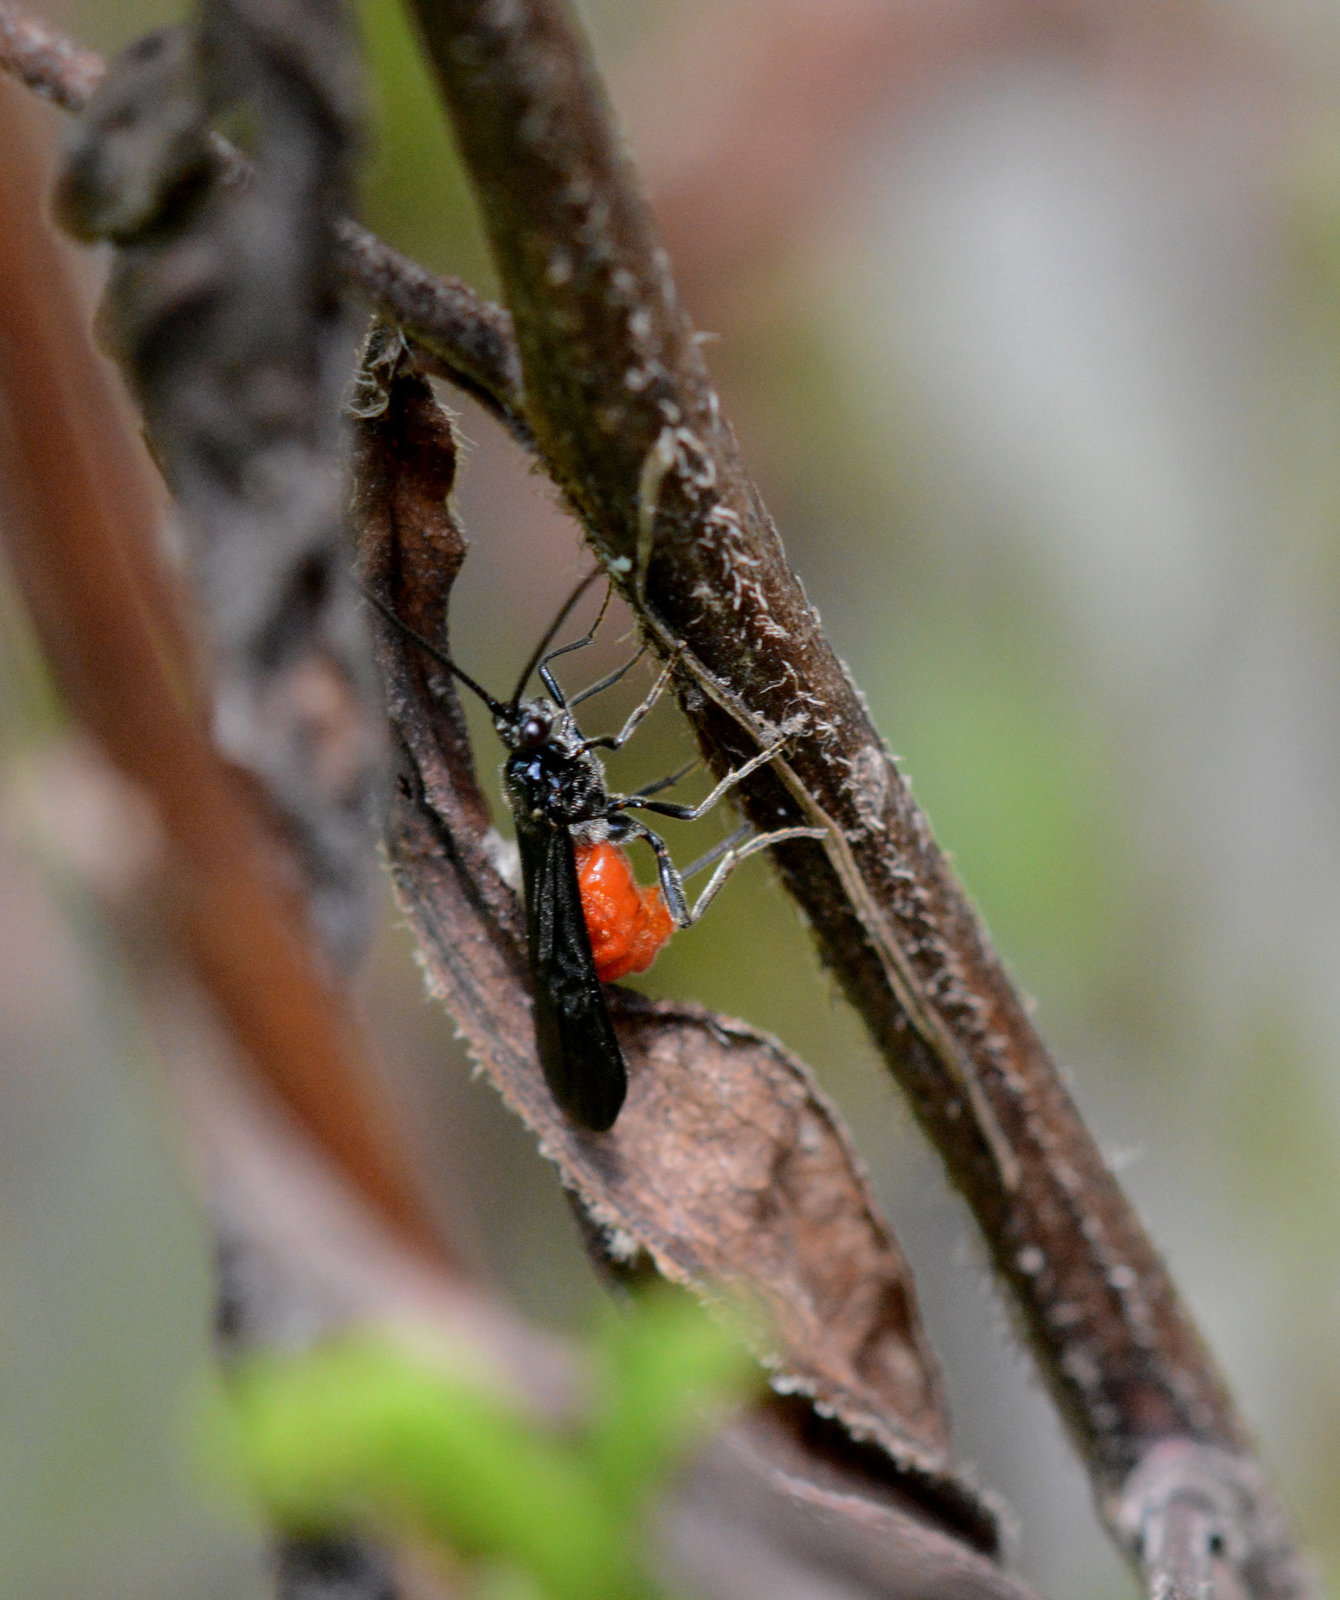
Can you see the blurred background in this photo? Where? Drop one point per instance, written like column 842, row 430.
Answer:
column 1029, row 322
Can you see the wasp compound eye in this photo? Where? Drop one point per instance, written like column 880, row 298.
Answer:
column 531, row 732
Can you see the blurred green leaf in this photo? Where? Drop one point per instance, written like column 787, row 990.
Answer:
column 669, row 1373
column 361, row 1430
column 504, row 1583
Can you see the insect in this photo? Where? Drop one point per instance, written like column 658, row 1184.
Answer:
column 587, row 920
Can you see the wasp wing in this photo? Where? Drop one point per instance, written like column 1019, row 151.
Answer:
column 583, row 1064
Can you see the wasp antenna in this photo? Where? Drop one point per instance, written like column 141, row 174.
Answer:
column 538, row 653
column 497, row 707
column 440, row 656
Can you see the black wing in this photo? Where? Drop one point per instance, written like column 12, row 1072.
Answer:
column 583, row 1064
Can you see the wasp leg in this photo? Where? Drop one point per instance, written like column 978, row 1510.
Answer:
column 667, row 782
column 734, row 854
column 672, row 883
column 719, row 849
column 728, row 855
column 667, row 808
column 607, row 682
column 616, row 741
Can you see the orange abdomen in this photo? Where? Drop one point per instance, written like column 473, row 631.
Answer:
column 627, row 925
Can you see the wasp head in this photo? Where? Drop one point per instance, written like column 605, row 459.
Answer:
column 527, row 727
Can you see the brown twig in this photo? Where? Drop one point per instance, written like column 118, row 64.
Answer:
column 628, row 422
column 458, row 335
column 224, row 308
column 455, row 334
column 81, row 540
column 82, row 544
column 47, row 62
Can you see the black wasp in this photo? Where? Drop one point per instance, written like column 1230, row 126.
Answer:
column 586, row 919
